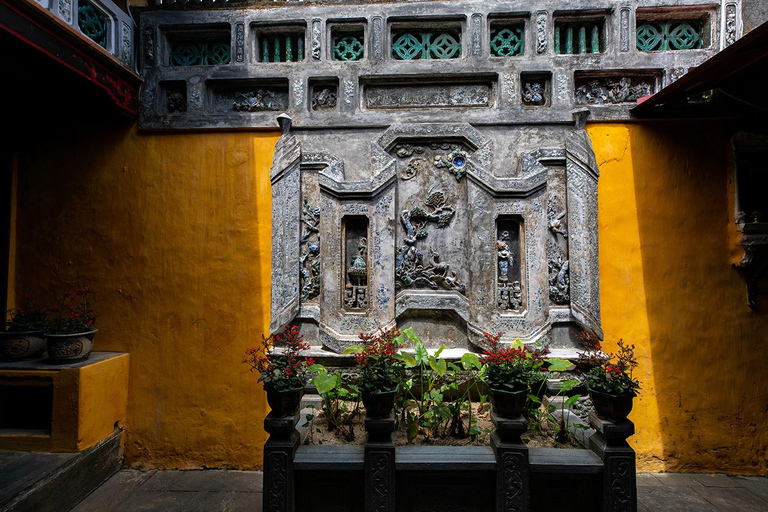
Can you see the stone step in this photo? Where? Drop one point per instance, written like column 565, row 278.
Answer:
column 55, row 482
column 564, row 461
column 445, row 458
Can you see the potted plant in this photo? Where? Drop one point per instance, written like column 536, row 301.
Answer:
column 611, row 384
column 283, row 370
column 23, row 337
column 70, row 336
column 380, row 370
column 509, row 373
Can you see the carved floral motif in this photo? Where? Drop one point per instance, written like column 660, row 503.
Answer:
column 533, row 93
column 455, row 162
column 559, row 281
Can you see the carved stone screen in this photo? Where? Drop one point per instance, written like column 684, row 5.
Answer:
column 444, row 227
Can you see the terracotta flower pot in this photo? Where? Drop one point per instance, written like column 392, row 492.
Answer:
column 508, row 404
column 69, row 348
column 611, row 407
column 15, row 346
column 284, row 403
column 379, row 405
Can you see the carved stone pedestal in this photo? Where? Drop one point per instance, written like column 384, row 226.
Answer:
column 619, row 480
column 512, row 466
column 279, row 451
column 380, row 465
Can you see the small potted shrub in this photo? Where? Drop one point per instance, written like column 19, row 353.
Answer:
column 23, row 337
column 380, row 370
column 283, row 370
column 611, row 383
column 509, row 373
column 70, row 336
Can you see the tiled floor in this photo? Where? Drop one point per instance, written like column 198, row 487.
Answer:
column 213, row 491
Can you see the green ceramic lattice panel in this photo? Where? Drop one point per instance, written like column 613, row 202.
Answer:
column 282, row 47
column 93, row 23
column 670, row 35
column 507, row 40
column 574, row 38
column 419, row 45
column 198, row 52
column 348, row 47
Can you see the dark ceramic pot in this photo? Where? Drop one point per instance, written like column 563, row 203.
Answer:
column 284, row 403
column 611, row 407
column 16, row 346
column 508, row 404
column 379, row 405
column 69, row 348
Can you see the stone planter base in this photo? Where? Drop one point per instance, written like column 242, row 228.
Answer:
column 504, row 476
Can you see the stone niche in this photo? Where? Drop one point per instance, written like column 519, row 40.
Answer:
column 444, row 227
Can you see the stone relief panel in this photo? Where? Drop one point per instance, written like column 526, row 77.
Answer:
column 429, row 232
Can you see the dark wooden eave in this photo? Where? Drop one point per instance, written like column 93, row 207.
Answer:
column 44, row 57
column 729, row 85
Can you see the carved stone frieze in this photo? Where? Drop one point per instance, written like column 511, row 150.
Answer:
column 477, row 34
column 254, row 101
column 624, row 28
column 316, row 37
column 149, row 45
column 541, row 32
column 599, row 91
column 239, row 42
column 377, row 29
column 533, row 93
column 309, row 261
column 126, row 49
column 730, row 24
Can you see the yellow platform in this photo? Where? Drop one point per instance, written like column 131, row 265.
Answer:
column 62, row 408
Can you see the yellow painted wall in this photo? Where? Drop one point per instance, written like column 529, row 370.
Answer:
column 174, row 234
column 667, row 285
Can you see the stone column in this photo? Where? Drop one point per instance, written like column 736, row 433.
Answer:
column 619, row 481
column 279, row 451
column 380, row 464
column 513, row 489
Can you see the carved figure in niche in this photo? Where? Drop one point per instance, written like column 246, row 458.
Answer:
column 254, row 101
column 356, row 289
column 410, row 269
column 309, row 260
column 324, row 98
column 559, row 281
column 506, row 259
column 177, row 102
column 510, row 294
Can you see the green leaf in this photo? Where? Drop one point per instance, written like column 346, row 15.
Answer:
column 558, row 365
column 411, row 335
column 317, row 368
column 354, row 349
column 421, row 354
column 534, row 399
column 571, row 401
column 470, row 360
column 438, row 365
column 439, row 351
column 407, row 359
column 569, row 384
column 325, row 382
column 517, row 343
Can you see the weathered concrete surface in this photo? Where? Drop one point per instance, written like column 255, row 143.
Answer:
column 131, row 490
column 754, row 13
